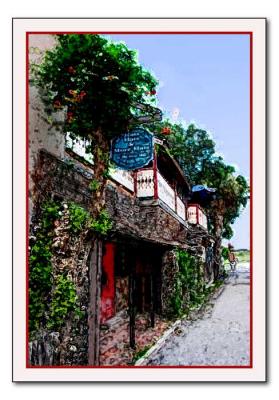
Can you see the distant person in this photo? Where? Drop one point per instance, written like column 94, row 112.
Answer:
column 232, row 258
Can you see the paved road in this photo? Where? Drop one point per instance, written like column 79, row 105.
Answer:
column 219, row 335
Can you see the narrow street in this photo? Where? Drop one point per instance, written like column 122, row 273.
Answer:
column 219, row 335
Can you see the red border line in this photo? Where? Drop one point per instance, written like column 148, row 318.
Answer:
column 251, row 200
column 138, row 366
column 140, row 33
column 250, row 365
column 27, row 196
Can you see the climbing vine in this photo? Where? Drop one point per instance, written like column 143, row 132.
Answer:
column 103, row 224
column 40, row 268
column 52, row 294
column 189, row 285
column 80, row 219
column 94, row 185
column 64, row 300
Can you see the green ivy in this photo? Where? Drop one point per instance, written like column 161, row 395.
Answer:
column 78, row 218
column 94, row 185
column 189, row 284
column 176, row 300
column 53, row 298
column 103, row 224
column 40, row 268
column 64, row 301
column 191, row 277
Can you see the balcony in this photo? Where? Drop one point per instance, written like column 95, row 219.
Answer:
column 196, row 216
column 147, row 184
column 150, row 184
column 161, row 183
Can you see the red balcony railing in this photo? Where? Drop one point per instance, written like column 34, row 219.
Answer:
column 149, row 183
column 196, row 215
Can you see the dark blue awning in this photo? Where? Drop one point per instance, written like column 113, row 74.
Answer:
column 202, row 194
column 199, row 188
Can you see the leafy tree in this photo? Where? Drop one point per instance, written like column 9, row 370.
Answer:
column 232, row 197
column 192, row 147
column 195, row 151
column 100, row 85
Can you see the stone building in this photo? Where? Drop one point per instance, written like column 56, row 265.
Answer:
column 133, row 273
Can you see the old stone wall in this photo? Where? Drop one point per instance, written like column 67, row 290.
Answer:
column 69, row 346
column 70, row 182
column 170, row 270
column 147, row 222
column 197, row 239
column 54, row 178
column 198, row 243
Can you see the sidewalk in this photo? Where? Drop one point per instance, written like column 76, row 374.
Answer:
column 218, row 336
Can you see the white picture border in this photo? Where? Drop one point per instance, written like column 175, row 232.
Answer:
column 20, row 372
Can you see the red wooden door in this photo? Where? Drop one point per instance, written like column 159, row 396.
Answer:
column 108, row 286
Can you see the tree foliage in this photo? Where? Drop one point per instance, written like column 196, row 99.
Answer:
column 192, row 147
column 195, row 151
column 97, row 80
column 100, row 85
column 232, row 194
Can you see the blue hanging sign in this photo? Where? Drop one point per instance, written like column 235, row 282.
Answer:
column 132, row 150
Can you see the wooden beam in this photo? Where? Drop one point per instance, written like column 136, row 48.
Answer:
column 155, row 176
column 152, row 313
column 132, row 310
column 95, row 269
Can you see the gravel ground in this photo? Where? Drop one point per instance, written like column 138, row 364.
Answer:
column 219, row 335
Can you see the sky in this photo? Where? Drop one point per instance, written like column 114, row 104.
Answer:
column 204, row 79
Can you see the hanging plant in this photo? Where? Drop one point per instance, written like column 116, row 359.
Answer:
column 166, row 131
